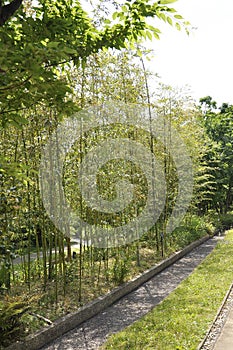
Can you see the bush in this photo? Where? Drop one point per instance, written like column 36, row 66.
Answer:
column 226, row 221
column 222, row 222
column 192, row 228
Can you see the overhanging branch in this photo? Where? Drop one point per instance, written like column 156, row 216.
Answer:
column 7, row 11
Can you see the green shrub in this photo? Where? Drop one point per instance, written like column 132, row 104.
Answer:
column 226, row 221
column 191, row 229
column 221, row 222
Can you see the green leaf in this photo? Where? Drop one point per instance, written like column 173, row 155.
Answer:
column 70, row 50
column 107, row 21
column 53, row 44
column 165, row 2
column 162, row 16
column 83, row 63
column 156, row 35
column 154, row 29
column 144, row 35
column 132, row 46
column 139, row 53
column 157, row 30
column 121, row 16
column 149, row 35
column 169, row 20
column 178, row 27
column 115, row 15
column 178, row 16
column 171, row 9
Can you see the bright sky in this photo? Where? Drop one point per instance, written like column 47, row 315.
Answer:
column 203, row 60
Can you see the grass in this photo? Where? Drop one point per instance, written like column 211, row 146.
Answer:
column 181, row 321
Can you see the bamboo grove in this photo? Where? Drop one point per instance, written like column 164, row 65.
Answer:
column 44, row 267
column 27, row 231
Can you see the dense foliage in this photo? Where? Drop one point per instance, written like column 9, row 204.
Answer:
column 219, row 157
column 42, row 41
column 56, row 59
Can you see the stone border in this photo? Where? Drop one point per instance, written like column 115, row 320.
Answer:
column 70, row 321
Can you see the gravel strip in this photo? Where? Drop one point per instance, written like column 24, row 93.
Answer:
column 217, row 326
column 94, row 332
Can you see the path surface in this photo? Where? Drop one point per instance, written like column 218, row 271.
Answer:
column 225, row 340
column 220, row 335
column 94, row 332
column 34, row 256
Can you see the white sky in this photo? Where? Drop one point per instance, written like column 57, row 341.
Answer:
column 203, row 60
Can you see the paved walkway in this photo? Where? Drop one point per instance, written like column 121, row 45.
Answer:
column 94, row 332
column 34, row 256
column 225, row 340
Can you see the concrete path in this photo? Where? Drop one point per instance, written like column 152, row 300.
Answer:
column 34, row 256
column 225, row 340
column 94, row 332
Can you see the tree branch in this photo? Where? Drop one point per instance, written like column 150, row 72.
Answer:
column 7, row 11
column 14, row 85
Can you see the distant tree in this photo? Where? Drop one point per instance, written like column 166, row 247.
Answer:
column 219, row 128
column 208, row 103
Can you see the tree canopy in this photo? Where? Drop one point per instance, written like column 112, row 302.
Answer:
column 38, row 43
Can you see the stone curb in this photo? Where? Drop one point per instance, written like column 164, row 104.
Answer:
column 70, row 321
